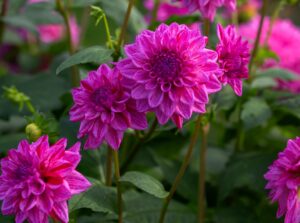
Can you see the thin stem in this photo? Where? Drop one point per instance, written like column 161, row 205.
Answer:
column 275, row 14
column 65, row 14
column 202, row 171
column 109, row 40
column 135, row 149
column 124, row 28
column 2, row 23
column 181, row 171
column 258, row 35
column 154, row 12
column 119, row 192
column 30, row 107
column 84, row 23
column 240, row 134
column 206, row 28
column 109, row 167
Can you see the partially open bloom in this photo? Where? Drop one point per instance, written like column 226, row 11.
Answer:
column 284, row 182
column 166, row 9
column 104, row 108
column 234, row 55
column 283, row 40
column 38, row 179
column 170, row 72
column 208, row 8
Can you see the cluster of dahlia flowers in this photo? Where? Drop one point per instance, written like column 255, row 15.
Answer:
column 168, row 71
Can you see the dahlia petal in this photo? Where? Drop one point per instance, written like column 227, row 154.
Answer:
column 62, row 193
column 20, row 217
column 167, row 107
column 139, row 92
column 237, row 86
column 37, row 187
column 127, row 68
column 138, row 120
column 28, row 204
column 77, row 182
column 114, row 138
column 8, row 205
column 161, row 117
column 45, row 202
column 184, row 110
column 120, row 122
column 155, row 98
column 178, row 120
column 37, row 216
column 60, row 211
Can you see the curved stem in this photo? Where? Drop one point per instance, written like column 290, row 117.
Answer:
column 123, row 29
column 136, row 147
column 181, row 171
column 30, row 107
column 65, row 14
column 108, row 35
column 109, row 167
column 119, row 191
column 3, row 14
column 202, row 171
column 258, row 35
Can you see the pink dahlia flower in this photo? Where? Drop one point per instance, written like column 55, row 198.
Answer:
column 208, row 8
column 234, row 55
column 38, row 179
column 104, row 108
column 166, row 9
column 284, row 182
column 169, row 71
column 284, row 41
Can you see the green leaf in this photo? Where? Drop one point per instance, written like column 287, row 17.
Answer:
column 263, row 82
column 255, row 113
column 95, row 54
column 146, row 183
column 290, row 105
column 20, row 22
column 98, row 198
column 245, row 170
column 277, row 73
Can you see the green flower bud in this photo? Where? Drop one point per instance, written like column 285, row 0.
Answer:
column 33, row 132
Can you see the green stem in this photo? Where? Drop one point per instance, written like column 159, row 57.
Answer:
column 154, row 12
column 84, row 23
column 119, row 192
column 123, row 30
column 110, row 43
column 65, row 14
column 3, row 14
column 275, row 14
column 240, row 134
column 109, row 167
column 206, row 28
column 30, row 107
column 202, row 171
column 181, row 171
column 258, row 35
column 135, row 149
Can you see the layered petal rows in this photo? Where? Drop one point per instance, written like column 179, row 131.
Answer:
column 284, row 182
column 105, row 108
column 234, row 56
column 169, row 71
column 38, row 179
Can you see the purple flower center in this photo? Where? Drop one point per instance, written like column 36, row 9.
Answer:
column 102, row 97
column 166, row 65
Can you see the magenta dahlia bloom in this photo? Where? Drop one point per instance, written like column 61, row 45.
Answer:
column 284, row 182
column 38, row 179
column 208, row 8
column 104, row 108
column 234, row 56
column 169, row 71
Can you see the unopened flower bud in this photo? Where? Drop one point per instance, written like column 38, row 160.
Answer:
column 33, row 132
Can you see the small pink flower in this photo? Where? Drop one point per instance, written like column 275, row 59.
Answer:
column 38, row 179
column 208, row 8
column 234, row 55
column 166, row 9
column 284, row 182
column 104, row 108
column 169, row 71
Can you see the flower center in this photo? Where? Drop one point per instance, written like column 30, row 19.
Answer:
column 166, row 65
column 102, row 96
